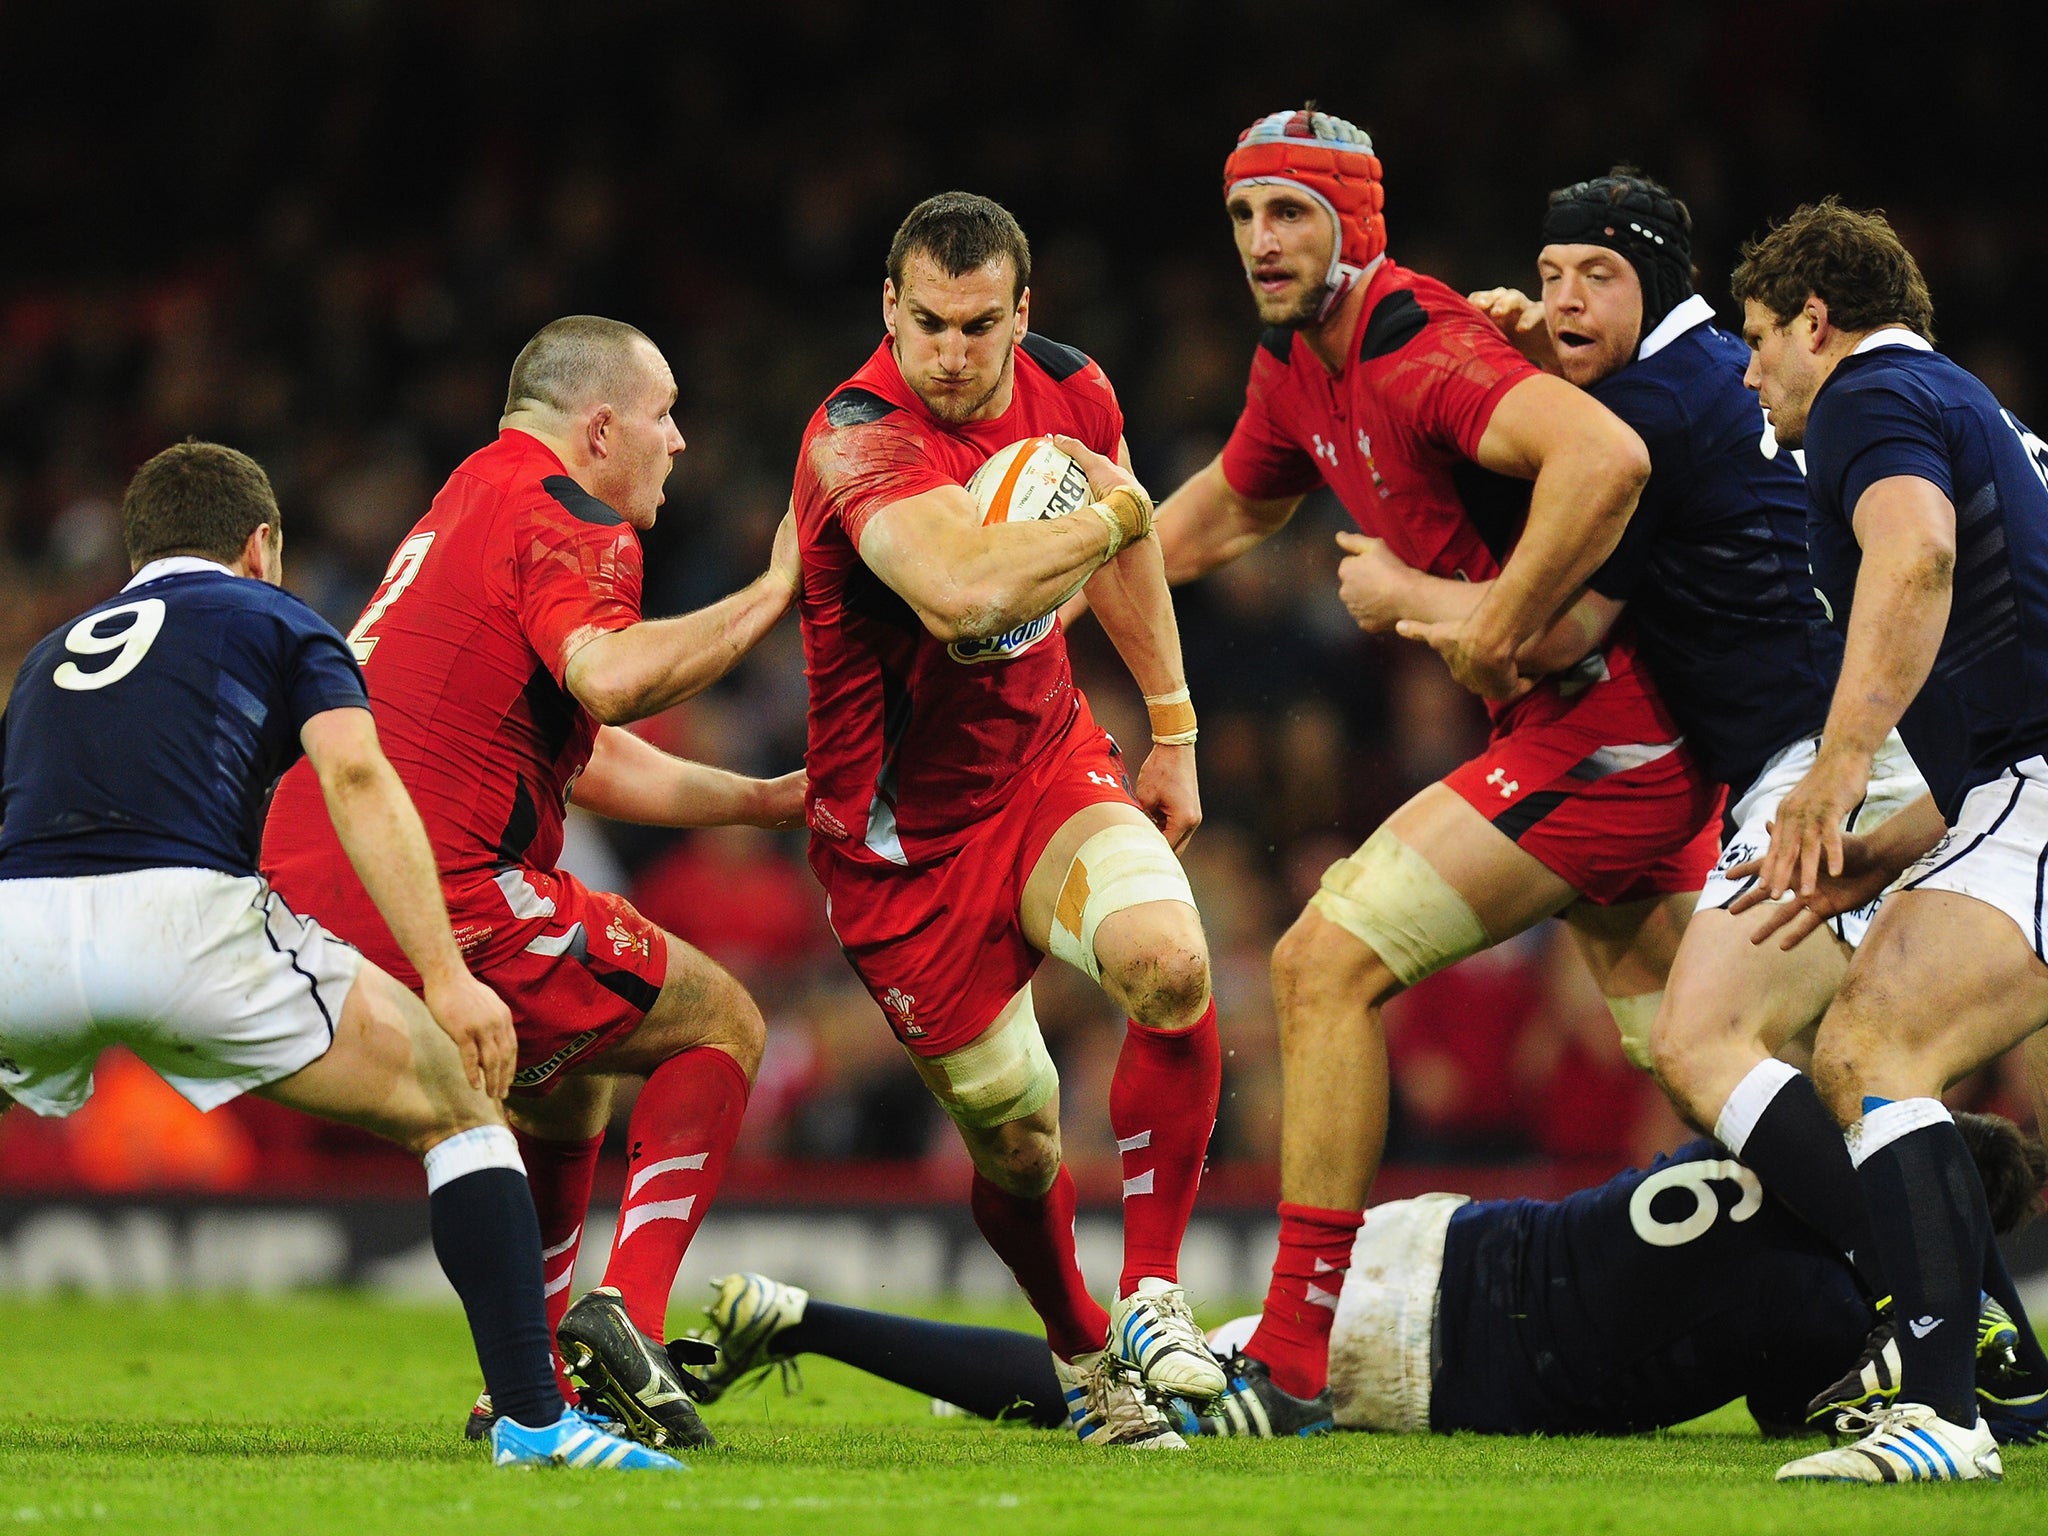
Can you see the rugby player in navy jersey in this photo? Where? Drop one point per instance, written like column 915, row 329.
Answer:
column 1645, row 1301
column 136, row 753
column 1929, row 538
column 1713, row 572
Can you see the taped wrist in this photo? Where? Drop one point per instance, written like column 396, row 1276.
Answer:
column 1173, row 718
column 1127, row 513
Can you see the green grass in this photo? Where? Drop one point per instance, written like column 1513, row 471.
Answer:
column 336, row 1414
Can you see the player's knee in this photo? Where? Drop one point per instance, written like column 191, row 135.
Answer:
column 1316, row 959
column 1169, row 987
column 730, row 1019
column 1024, row 1162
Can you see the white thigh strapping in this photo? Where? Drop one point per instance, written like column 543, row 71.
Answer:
column 1386, row 1313
column 1894, row 784
column 1997, row 850
column 208, row 977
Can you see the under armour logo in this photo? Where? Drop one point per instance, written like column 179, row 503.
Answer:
column 1923, row 1326
column 1324, row 451
column 1107, row 779
column 1499, row 780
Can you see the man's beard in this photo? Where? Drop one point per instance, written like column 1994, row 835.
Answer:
column 1301, row 315
column 954, row 409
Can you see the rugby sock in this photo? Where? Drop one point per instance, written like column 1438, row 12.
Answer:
column 1929, row 1217
column 1776, row 1124
column 487, row 1238
column 1035, row 1237
column 1162, row 1109
column 991, row 1372
column 1293, row 1336
column 560, row 1173
column 683, row 1127
column 1999, row 1285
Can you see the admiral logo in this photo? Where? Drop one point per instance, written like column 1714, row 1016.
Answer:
column 1014, row 642
column 541, row 1071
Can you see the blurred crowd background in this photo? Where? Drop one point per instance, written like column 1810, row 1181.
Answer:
column 320, row 232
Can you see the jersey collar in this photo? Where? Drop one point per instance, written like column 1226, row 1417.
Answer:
column 175, row 565
column 1893, row 336
column 1690, row 311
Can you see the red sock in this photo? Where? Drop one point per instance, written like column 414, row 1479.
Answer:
column 560, row 1173
column 1162, row 1108
column 1035, row 1237
column 683, row 1127
column 1293, row 1336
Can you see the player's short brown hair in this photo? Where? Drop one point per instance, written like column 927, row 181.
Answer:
column 1853, row 261
column 2012, row 1164
column 962, row 233
column 574, row 362
column 196, row 498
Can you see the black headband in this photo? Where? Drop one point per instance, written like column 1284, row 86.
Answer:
column 1641, row 221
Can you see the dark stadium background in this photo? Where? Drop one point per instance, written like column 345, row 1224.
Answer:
column 320, row 231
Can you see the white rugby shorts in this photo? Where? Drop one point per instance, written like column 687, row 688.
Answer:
column 1381, row 1372
column 1997, row 850
column 1894, row 784
column 208, row 977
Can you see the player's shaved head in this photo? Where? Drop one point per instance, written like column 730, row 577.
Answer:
column 196, row 498
column 577, row 362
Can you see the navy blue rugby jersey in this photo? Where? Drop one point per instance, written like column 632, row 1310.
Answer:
column 1648, row 1300
column 1713, row 565
column 1904, row 409
column 147, row 732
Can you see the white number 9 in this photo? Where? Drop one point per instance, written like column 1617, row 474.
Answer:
column 1698, row 1180
column 133, row 643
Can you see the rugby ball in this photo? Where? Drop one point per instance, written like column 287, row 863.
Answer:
column 1028, row 480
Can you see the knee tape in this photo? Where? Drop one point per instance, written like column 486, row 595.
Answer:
column 1003, row 1076
column 1121, row 866
column 1390, row 898
column 1633, row 1016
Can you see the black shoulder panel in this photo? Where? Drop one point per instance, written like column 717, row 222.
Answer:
column 1056, row 358
column 855, row 407
column 1279, row 341
column 578, row 502
column 1394, row 322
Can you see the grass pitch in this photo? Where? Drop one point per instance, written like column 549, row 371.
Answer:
column 338, row 1414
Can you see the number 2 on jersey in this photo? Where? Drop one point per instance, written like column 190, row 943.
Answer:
column 405, row 565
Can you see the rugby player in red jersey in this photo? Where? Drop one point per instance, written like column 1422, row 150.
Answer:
column 503, row 650
column 967, row 814
column 1392, row 390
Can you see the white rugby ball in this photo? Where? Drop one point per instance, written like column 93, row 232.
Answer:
column 1028, row 480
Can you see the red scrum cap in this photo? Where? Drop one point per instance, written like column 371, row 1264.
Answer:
column 1331, row 161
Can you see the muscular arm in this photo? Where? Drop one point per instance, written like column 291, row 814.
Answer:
column 631, row 673
column 1206, row 523
column 1589, row 467
column 966, row 581
column 628, row 779
column 1907, row 528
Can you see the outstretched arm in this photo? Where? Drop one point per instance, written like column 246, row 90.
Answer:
column 1131, row 601
column 628, row 779
column 1206, row 523
column 386, row 842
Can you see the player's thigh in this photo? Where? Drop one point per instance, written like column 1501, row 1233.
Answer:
column 701, row 1003
column 1507, row 889
column 577, row 1108
column 1941, row 984
column 1629, row 947
column 391, row 1070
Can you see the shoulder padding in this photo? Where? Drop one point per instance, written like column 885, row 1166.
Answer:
column 1394, row 322
column 1279, row 341
column 1061, row 362
column 856, row 407
column 578, row 502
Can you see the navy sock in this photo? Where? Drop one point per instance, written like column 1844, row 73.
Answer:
column 1929, row 1217
column 1796, row 1149
column 488, row 1241
column 992, row 1372
column 1998, row 1283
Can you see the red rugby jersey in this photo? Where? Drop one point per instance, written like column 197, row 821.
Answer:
column 1394, row 433
column 912, row 740
column 464, row 645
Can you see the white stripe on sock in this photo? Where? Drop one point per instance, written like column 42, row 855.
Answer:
column 656, row 1210
column 1137, row 1143
column 1888, row 1122
column 560, row 1283
column 1141, row 1185
column 1746, row 1105
column 563, row 1246
column 666, row 1165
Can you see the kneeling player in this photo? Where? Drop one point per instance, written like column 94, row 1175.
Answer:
column 1643, row 1302
column 967, row 814
column 139, row 744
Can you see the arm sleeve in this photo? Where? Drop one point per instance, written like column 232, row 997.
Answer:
column 1886, row 433
column 863, row 468
column 1452, row 376
column 576, row 580
column 1098, row 397
column 323, row 674
column 1261, row 462
column 1658, row 417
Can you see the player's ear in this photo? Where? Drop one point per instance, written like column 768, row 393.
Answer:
column 889, row 307
column 1815, row 314
column 597, row 431
column 1023, row 313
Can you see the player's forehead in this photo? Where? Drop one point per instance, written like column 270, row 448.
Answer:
column 650, row 370
column 1268, row 197
column 957, row 297
column 1558, row 257
column 1757, row 321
